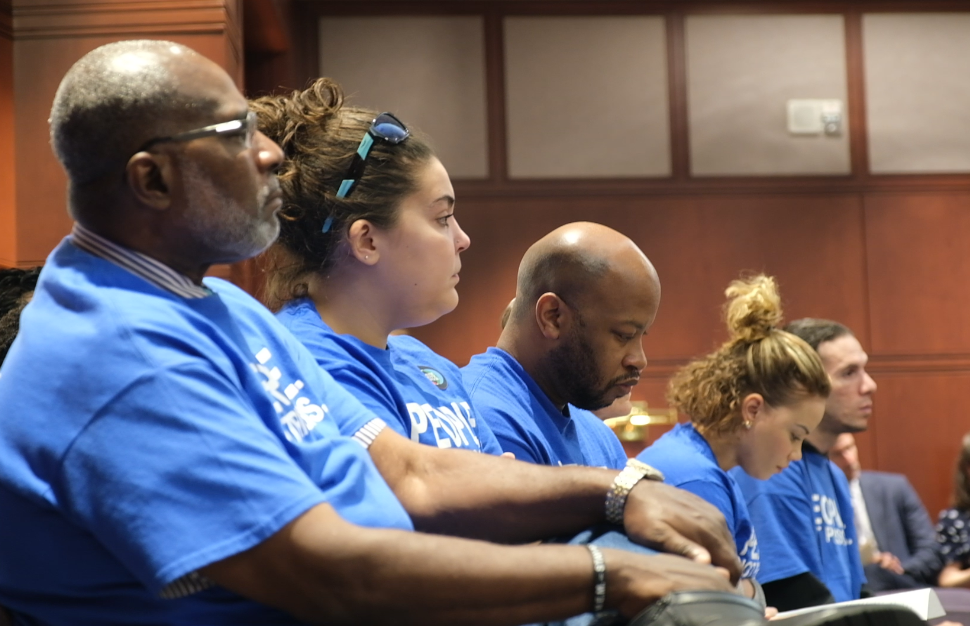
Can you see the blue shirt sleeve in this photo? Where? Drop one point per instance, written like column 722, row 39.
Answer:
column 713, row 493
column 511, row 437
column 177, row 461
column 486, row 437
column 372, row 393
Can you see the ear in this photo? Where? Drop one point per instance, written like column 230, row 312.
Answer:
column 551, row 315
column 751, row 407
column 361, row 239
column 148, row 177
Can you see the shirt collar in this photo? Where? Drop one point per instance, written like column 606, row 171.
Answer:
column 155, row 272
column 807, row 447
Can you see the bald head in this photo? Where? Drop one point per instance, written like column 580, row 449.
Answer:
column 577, row 262
column 586, row 295
column 120, row 95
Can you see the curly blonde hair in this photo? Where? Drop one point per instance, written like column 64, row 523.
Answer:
column 758, row 358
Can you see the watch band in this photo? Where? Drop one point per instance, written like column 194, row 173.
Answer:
column 599, row 578
column 634, row 472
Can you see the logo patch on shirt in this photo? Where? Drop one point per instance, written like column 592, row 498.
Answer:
column 434, row 376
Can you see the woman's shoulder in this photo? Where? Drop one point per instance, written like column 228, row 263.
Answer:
column 407, row 348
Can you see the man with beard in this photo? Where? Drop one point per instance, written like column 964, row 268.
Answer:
column 806, row 530
column 170, row 454
column 585, row 297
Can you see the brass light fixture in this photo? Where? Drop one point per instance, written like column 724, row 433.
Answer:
column 633, row 427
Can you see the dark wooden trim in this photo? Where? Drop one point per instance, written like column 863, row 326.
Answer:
column 856, row 90
column 307, row 36
column 263, row 28
column 818, row 186
column 495, row 98
column 6, row 19
column 124, row 19
column 677, row 88
column 625, row 7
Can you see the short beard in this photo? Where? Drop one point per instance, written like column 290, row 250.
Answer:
column 220, row 225
column 573, row 367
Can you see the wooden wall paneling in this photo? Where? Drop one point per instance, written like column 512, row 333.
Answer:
column 48, row 39
column 495, row 98
column 8, row 206
column 270, row 50
column 922, row 418
column 698, row 245
column 919, row 269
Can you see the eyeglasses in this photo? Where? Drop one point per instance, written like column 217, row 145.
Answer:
column 245, row 125
column 385, row 127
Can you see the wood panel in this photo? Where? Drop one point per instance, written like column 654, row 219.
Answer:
column 8, row 213
column 697, row 243
column 922, row 418
column 916, row 245
column 48, row 39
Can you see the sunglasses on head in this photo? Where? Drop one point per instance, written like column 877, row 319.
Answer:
column 385, row 127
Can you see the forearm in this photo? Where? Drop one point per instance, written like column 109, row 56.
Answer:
column 953, row 576
column 322, row 569
column 466, row 494
column 477, row 496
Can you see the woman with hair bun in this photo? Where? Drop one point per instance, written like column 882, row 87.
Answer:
column 750, row 403
column 369, row 245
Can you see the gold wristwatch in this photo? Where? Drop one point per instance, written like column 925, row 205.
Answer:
column 634, row 472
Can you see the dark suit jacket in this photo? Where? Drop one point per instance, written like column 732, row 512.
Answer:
column 901, row 524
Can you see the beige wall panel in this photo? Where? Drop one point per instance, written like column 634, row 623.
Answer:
column 741, row 72
column 917, row 92
column 586, row 97
column 429, row 71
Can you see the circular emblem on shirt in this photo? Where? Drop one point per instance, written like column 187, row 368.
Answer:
column 434, row 376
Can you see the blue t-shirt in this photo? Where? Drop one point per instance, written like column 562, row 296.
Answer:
column 417, row 392
column 528, row 424
column 687, row 461
column 145, row 436
column 804, row 520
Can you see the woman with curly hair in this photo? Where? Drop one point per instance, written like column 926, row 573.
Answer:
column 750, row 403
column 953, row 527
column 369, row 245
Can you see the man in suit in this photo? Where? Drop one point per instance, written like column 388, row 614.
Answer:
column 896, row 537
